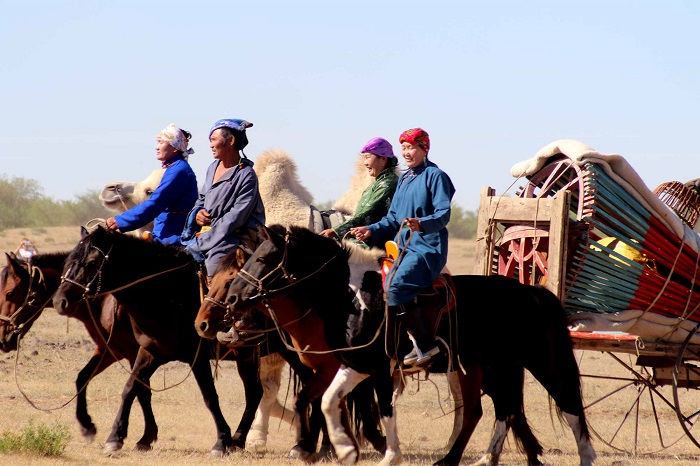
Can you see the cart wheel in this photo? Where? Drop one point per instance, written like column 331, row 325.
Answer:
column 686, row 379
column 631, row 408
column 557, row 175
column 522, row 255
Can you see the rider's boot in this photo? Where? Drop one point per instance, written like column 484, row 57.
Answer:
column 424, row 345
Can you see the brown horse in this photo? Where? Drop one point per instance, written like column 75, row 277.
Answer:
column 159, row 289
column 210, row 321
column 499, row 328
column 25, row 291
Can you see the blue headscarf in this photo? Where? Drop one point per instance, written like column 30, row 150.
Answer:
column 236, row 125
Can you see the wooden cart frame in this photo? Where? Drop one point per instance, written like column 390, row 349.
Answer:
column 660, row 377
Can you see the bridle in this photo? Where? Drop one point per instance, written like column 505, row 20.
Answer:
column 279, row 271
column 29, row 301
column 263, row 293
column 65, row 278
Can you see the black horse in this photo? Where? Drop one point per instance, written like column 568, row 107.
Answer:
column 25, row 291
column 158, row 287
column 500, row 327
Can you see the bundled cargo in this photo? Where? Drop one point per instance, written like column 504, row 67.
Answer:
column 632, row 262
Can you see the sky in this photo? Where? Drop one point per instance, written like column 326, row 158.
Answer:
column 85, row 86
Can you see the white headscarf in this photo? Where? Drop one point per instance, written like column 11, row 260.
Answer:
column 175, row 138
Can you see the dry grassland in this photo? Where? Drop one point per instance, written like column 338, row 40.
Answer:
column 38, row 387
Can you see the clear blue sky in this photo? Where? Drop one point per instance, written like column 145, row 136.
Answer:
column 85, row 86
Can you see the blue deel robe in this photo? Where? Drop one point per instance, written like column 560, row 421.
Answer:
column 233, row 202
column 424, row 192
column 168, row 205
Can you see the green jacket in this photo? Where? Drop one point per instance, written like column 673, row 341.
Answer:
column 374, row 203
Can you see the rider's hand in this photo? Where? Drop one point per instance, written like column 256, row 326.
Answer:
column 203, row 218
column 111, row 224
column 329, row 233
column 361, row 233
column 413, row 224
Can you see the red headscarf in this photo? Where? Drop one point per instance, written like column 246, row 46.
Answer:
column 416, row 136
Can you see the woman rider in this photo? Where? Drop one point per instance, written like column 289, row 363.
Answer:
column 380, row 161
column 420, row 211
column 169, row 204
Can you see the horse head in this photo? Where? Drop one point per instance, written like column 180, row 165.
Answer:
column 23, row 294
column 293, row 271
column 212, row 317
column 82, row 276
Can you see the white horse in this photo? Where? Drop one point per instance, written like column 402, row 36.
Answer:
column 287, row 202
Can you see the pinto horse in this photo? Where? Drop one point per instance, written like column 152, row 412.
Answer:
column 211, row 319
column 295, row 272
column 159, row 289
column 26, row 289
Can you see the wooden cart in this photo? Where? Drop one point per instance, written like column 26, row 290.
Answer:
column 641, row 396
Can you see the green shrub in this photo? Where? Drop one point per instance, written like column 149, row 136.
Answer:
column 39, row 440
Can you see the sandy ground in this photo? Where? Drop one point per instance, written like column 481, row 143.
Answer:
column 37, row 386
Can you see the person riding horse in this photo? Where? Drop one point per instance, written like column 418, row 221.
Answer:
column 380, row 161
column 167, row 207
column 419, row 213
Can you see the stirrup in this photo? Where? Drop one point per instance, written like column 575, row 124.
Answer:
column 417, row 357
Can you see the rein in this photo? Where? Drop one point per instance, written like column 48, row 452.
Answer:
column 29, row 301
column 98, row 277
column 291, row 279
column 264, row 294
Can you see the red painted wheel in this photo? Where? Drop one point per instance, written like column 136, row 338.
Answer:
column 522, row 251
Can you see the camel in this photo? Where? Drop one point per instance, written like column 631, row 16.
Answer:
column 287, row 202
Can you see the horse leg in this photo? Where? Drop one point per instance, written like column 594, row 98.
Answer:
column 346, row 447
column 367, row 411
column 457, row 402
column 202, row 374
column 470, row 383
column 150, row 428
column 248, row 369
column 96, row 365
column 553, row 365
column 271, row 378
column 144, row 366
column 386, row 391
column 505, row 387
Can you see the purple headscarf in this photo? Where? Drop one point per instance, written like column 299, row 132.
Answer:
column 380, row 147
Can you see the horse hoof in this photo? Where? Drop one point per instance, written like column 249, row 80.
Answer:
column 298, row 453
column 216, row 453
column 112, row 447
column 143, row 447
column 348, row 456
column 325, row 453
column 256, row 445
column 392, row 459
column 88, row 434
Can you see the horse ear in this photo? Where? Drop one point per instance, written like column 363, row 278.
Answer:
column 83, row 232
column 14, row 264
column 276, row 238
column 241, row 258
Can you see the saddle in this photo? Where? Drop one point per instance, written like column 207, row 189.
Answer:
column 435, row 302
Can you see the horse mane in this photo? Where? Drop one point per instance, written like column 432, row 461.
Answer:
column 151, row 252
column 229, row 261
column 51, row 260
column 278, row 181
column 362, row 257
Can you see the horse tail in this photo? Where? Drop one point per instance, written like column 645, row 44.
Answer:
column 563, row 366
column 364, row 412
